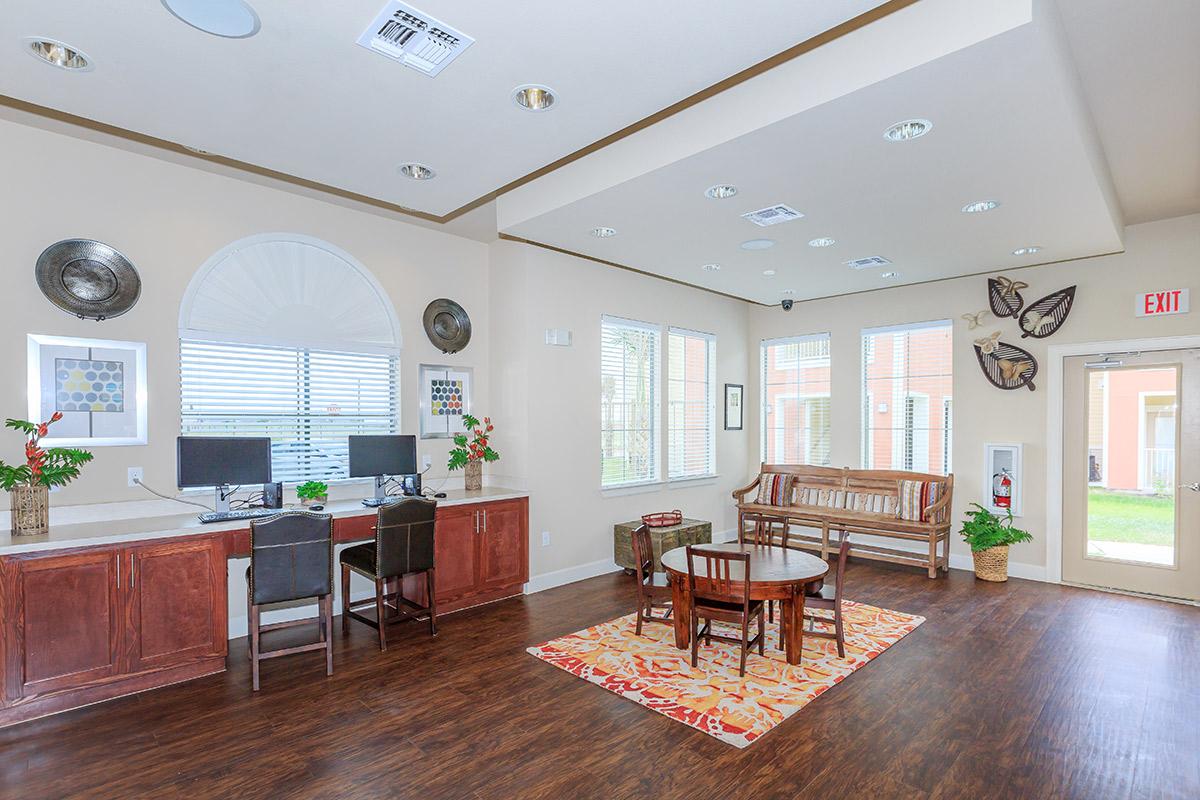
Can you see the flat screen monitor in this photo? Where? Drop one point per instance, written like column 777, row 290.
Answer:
column 372, row 456
column 217, row 461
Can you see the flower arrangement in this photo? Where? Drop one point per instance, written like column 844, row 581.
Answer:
column 469, row 453
column 56, row 466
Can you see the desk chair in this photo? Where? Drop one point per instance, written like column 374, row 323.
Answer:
column 404, row 536
column 291, row 558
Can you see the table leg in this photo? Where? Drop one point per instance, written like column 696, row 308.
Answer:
column 795, row 626
column 681, row 602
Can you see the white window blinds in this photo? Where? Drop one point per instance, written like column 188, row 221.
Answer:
column 907, row 397
column 691, row 404
column 796, row 410
column 307, row 401
column 628, row 402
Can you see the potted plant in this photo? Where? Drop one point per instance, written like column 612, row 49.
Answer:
column 989, row 537
column 28, row 485
column 469, row 454
column 312, row 492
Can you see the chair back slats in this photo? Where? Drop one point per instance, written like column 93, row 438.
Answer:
column 643, row 554
column 291, row 557
column 404, row 536
column 725, row 576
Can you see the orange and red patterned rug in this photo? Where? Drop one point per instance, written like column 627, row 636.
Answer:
column 648, row 669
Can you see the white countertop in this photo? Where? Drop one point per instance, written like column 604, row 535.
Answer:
column 134, row 529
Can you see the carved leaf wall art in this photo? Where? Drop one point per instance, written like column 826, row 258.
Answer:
column 1004, row 296
column 1043, row 317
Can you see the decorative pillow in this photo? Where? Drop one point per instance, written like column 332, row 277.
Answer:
column 871, row 503
column 775, row 489
column 915, row 497
column 817, row 496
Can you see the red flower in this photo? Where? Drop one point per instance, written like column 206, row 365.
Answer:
column 42, row 429
column 56, row 416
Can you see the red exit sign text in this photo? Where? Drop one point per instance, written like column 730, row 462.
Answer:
column 1157, row 304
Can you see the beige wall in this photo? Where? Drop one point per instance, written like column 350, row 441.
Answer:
column 168, row 219
column 1159, row 255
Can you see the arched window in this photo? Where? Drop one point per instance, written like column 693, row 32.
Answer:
column 287, row 336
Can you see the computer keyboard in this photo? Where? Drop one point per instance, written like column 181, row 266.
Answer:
column 375, row 502
column 241, row 513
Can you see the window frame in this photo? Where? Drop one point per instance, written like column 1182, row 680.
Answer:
column 799, row 395
column 710, row 358
column 654, row 415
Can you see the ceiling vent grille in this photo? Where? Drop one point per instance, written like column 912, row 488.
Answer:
column 868, row 262
column 773, row 215
column 414, row 38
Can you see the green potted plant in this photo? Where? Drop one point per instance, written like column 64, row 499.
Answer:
column 470, row 453
column 989, row 537
column 312, row 492
column 28, row 485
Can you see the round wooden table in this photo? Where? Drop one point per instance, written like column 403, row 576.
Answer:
column 776, row 573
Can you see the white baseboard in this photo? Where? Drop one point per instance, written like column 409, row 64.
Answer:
column 1030, row 572
column 561, row 577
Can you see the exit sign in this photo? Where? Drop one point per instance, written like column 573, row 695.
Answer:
column 1157, row 304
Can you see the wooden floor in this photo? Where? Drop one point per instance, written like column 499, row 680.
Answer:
column 1011, row 690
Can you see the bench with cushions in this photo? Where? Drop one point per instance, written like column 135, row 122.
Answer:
column 910, row 506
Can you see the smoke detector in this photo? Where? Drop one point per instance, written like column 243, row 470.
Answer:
column 868, row 262
column 415, row 39
column 772, row 215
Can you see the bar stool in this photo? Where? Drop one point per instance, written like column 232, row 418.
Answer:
column 291, row 558
column 404, row 535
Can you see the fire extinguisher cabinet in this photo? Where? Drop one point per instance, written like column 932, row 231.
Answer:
column 1003, row 478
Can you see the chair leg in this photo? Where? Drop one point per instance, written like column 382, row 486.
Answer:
column 771, row 609
column 695, row 623
column 431, row 590
column 345, row 599
column 745, row 645
column 641, row 615
column 254, row 646
column 762, row 635
column 837, row 628
column 327, row 603
column 379, row 607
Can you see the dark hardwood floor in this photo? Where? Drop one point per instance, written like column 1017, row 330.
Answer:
column 1008, row 690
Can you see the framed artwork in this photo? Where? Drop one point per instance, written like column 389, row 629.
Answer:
column 733, row 406
column 98, row 385
column 445, row 398
column 1003, row 478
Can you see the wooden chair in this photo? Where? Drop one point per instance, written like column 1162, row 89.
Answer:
column 829, row 598
column 291, row 558
column 762, row 532
column 404, row 544
column 720, row 593
column 653, row 591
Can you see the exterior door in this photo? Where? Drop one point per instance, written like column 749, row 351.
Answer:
column 1131, row 472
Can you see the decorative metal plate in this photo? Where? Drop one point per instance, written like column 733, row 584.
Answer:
column 447, row 325
column 88, row 279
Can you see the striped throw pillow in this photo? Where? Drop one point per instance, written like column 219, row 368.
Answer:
column 915, row 497
column 871, row 503
column 775, row 489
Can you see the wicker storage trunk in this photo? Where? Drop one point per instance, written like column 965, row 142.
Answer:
column 689, row 531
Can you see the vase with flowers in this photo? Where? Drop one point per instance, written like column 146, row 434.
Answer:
column 471, row 449
column 28, row 485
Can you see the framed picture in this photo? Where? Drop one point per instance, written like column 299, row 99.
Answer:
column 98, row 385
column 733, row 406
column 445, row 398
column 1003, row 478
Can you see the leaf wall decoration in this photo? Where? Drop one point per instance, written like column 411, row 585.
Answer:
column 1007, row 366
column 1004, row 296
column 1044, row 317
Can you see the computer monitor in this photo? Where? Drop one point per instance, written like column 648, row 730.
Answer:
column 219, row 461
column 381, row 456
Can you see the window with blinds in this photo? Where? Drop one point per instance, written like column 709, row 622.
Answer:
column 908, row 397
column 308, row 401
column 691, row 404
column 796, row 410
column 628, row 402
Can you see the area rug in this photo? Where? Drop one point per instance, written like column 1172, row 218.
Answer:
column 649, row 670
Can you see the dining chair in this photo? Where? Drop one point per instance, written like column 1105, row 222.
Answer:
column 763, row 533
column 291, row 558
column 653, row 590
column 721, row 592
column 829, row 598
column 404, row 544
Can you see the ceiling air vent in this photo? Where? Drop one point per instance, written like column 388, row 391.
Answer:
column 868, row 262
column 414, row 38
column 773, row 215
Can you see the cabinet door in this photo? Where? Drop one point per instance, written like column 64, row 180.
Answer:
column 456, row 553
column 504, row 544
column 63, row 620
column 177, row 604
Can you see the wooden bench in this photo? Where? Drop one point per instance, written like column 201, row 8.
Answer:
column 858, row 501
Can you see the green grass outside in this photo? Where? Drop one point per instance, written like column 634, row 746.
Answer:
column 1139, row 519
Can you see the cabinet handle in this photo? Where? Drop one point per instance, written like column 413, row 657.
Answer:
column 484, row 512
column 118, row 570
column 131, row 557
column 476, row 514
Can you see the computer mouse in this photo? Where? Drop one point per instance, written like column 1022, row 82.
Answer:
column 317, row 507
column 440, row 494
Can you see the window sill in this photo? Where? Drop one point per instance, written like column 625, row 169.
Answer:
column 632, row 488
column 692, row 480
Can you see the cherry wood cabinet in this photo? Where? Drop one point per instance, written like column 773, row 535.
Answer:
column 455, row 554
column 504, row 544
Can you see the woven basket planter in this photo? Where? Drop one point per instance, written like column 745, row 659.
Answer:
column 992, row 564
column 30, row 510
column 474, row 476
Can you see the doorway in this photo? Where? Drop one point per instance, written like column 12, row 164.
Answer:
column 1131, row 459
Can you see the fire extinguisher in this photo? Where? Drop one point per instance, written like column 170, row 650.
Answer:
column 1002, row 489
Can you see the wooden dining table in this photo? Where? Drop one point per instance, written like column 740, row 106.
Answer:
column 776, row 573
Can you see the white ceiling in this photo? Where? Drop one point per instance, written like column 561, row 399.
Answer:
column 302, row 98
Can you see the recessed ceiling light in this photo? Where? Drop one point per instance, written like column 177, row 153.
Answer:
column 603, row 233
column 908, row 129
column 770, row 273
column 230, row 19
column 534, row 97
column 823, row 241
column 720, row 191
column 757, row 244
column 889, row 274
column 711, row 267
column 1027, row 251
column 58, row 54
column 979, row 206
column 417, row 172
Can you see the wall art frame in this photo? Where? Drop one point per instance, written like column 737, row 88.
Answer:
column 735, row 406
column 445, row 398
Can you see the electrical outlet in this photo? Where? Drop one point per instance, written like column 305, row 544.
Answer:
column 545, row 538
column 135, row 474
column 426, row 461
